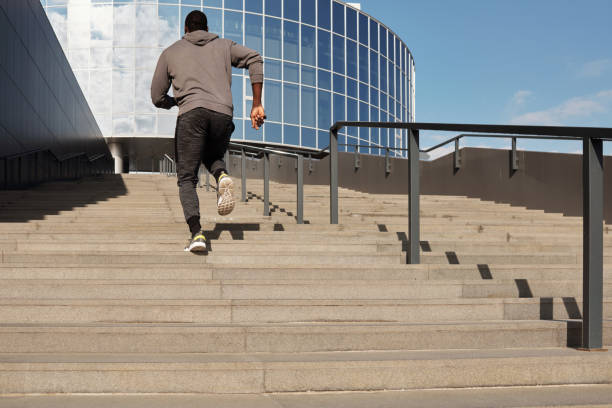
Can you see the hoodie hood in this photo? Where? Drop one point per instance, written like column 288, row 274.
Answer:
column 200, row 37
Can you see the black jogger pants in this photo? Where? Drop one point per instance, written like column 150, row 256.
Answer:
column 202, row 136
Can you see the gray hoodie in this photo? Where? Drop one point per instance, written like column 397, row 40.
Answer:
column 199, row 68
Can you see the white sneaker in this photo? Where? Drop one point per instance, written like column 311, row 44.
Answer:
column 197, row 243
column 225, row 195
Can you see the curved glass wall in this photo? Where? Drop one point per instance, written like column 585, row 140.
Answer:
column 324, row 61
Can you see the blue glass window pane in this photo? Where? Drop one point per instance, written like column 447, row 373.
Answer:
column 309, row 76
column 308, row 12
column 254, row 6
column 352, row 116
column 391, row 47
column 351, row 23
column 252, row 134
column 363, row 63
column 339, row 57
column 391, row 79
column 292, row 72
column 239, row 131
column 397, row 52
column 384, row 133
column 363, row 29
column 383, row 101
column 291, row 36
column 249, row 89
column 398, row 85
column 383, row 41
column 323, row 141
column 374, row 35
column 339, row 84
column 273, row 7
column 273, row 101
column 309, row 107
column 364, row 133
column 237, row 95
column 274, row 133
column 324, row 110
column 351, row 59
column 351, row 88
column 339, row 107
column 309, row 55
column 254, row 39
column 364, row 92
column 292, row 135
column 374, row 133
column 272, row 69
column 324, row 48
column 215, row 20
column 373, row 96
column 351, row 110
column 291, row 104
column 233, row 4
column 364, row 111
column 373, row 68
column 309, row 137
column 324, row 79
column 383, row 74
column 291, row 9
column 273, row 37
column 233, row 26
column 210, row 3
column 324, row 14
column 338, row 18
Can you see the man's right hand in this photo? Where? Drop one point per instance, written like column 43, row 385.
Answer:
column 258, row 115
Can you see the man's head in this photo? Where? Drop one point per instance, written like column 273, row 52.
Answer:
column 196, row 20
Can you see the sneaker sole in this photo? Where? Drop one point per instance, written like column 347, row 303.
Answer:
column 197, row 247
column 226, row 202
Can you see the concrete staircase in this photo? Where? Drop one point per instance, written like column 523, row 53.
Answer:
column 97, row 296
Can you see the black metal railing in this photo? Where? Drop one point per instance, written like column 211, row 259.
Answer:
column 593, row 193
column 251, row 151
column 40, row 165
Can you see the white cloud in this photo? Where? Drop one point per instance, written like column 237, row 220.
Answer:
column 575, row 110
column 595, row 69
column 520, row 97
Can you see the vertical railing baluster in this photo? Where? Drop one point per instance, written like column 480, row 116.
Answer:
column 243, row 176
column 266, row 157
column 300, row 189
column 333, row 175
column 592, row 256
column 413, row 197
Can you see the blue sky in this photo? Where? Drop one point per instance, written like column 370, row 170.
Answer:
column 536, row 62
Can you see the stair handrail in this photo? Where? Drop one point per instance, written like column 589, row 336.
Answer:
column 592, row 140
column 265, row 152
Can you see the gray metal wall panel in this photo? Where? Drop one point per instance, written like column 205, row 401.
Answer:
column 43, row 106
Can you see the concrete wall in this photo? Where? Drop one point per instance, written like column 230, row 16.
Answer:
column 42, row 105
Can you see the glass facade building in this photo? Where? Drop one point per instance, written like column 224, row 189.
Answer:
column 324, row 60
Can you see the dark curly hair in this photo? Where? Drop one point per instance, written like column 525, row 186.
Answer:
column 196, row 20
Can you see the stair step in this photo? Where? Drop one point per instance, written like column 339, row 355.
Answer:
column 288, row 338
column 301, row 372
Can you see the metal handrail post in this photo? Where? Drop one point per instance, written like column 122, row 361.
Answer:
column 456, row 156
column 243, row 175
column 592, row 257
column 300, row 189
column 333, row 175
column 413, row 198
column 266, row 157
column 514, row 159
